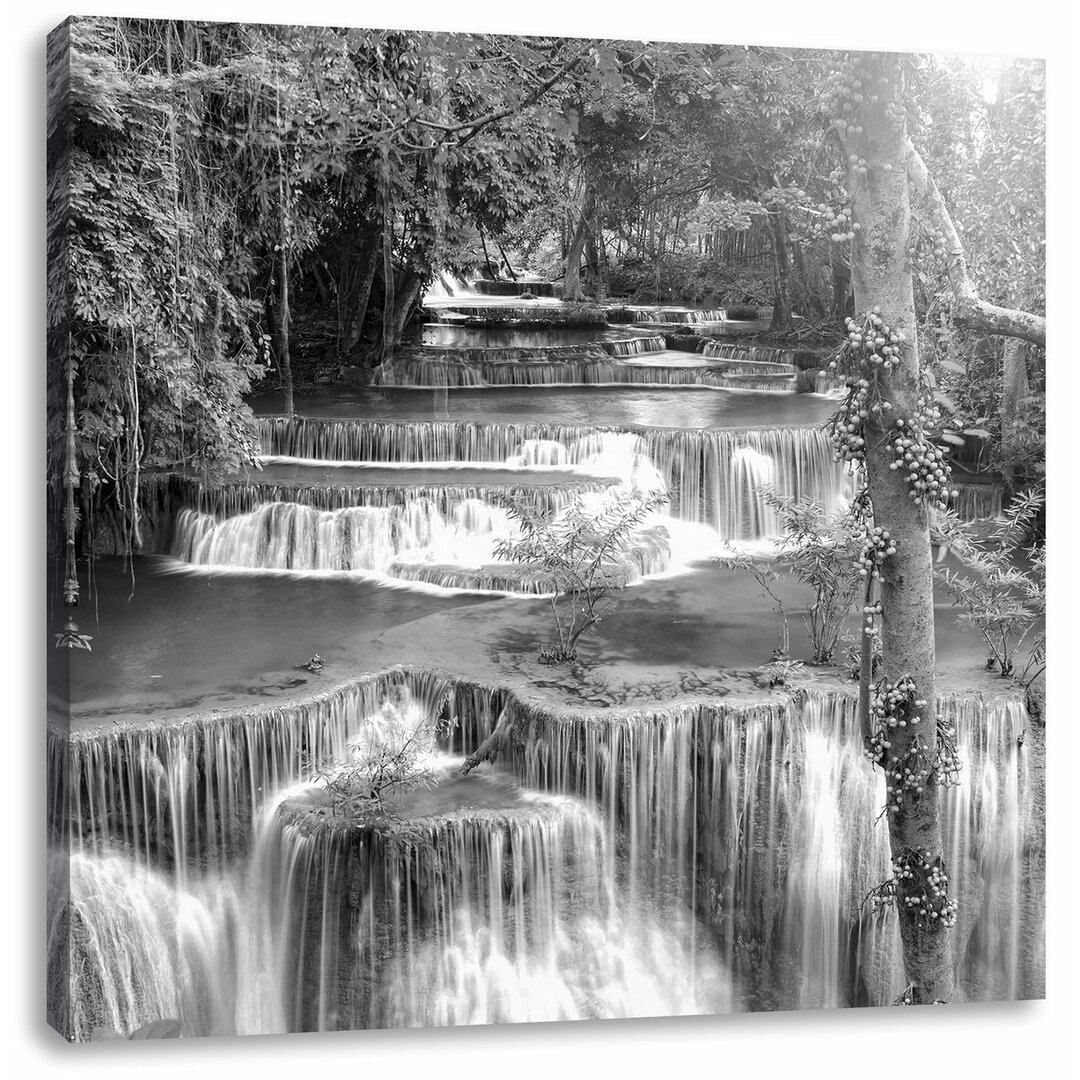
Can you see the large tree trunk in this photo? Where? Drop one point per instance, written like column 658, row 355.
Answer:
column 355, row 278
column 406, row 298
column 781, row 319
column 882, row 280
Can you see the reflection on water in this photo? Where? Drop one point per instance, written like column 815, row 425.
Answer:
column 687, row 407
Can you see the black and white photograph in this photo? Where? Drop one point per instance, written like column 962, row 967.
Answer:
column 540, row 527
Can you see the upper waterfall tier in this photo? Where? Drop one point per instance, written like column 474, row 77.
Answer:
column 716, row 477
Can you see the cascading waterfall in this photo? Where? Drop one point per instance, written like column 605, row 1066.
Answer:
column 768, row 819
column 425, row 373
column 677, row 315
column 762, row 357
column 291, row 536
column 241, row 497
column 698, row 468
column 635, row 346
column 976, row 502
column 489, row 914
column 648, row 856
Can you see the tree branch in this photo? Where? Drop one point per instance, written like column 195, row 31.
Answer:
column 493, row 744
column 968, row 309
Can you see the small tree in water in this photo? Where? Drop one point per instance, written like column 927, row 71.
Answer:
column 394, row 754
column 583, row 552
column 820, row 550
column 1002, row 599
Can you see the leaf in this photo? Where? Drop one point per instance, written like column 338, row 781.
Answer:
column 946, row 401
column 953, row 366
column 978, row 432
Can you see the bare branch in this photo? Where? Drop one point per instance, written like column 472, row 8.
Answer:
column 969, row 310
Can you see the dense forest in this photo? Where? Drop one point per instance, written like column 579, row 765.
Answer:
column 242, row 203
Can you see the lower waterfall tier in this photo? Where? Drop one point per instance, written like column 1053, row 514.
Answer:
column 728, row 848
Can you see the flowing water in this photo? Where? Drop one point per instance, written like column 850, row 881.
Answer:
column 685, row 859
column 698, row 857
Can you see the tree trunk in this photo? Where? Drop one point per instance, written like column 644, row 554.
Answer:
column 841, row 285
column 280, row 336
column 407, row 296
column 1014, row 389
column 781, row 319
column 353, row 303
column 882, row 280
column 572, row 281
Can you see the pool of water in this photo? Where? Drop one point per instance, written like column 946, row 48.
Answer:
column 617, row 406
column 165, row 642
column 168, row 644
column 299, row 471
column 717, row 617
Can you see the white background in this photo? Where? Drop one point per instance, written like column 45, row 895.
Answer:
column 1023, row 1040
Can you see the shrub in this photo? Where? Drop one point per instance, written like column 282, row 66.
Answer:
column 394, row 754
column 579, row 550
column 820, row 551
column 1001, row 598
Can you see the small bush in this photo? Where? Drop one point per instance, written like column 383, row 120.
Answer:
column 1002, row 599
column 579, row 550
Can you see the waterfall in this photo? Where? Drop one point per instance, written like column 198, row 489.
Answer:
column 291, row 536
column 750, row 358
column 698, row 468
column 435, row 374
column 648, row 856
column 132, row 948
column 181, row 795
column 778, row 811
column 635, row 346
column 678, row 315
column 976, row 502
column 240, row 497
column 498, row 914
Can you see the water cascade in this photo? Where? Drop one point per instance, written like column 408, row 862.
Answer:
column 696, row 857
column 768, row 818
column 704, row 480
column 976, row 502
column 436, row 373
column 291, row 536
column 635, row 346
column 240, row 497
column 761, row 358
column 677, row 315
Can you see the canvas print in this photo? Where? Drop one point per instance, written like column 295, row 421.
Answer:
column 540, row 528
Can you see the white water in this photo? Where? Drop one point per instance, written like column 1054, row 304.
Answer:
column 573, row 903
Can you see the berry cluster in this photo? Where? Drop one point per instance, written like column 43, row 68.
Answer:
column 877, row 547
column 834, row 217
column 921, row 884
column 870, row 348
column 895, row 708
column 863, row 83
column 844, row 228
column 925, row 463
